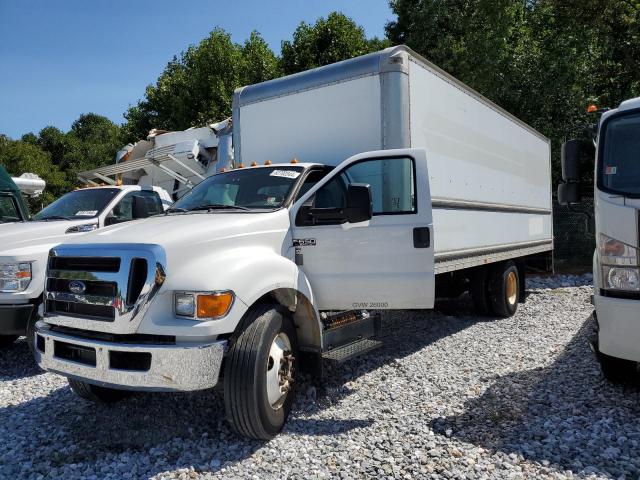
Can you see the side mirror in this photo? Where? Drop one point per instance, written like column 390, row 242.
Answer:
column 569, row 193
column 139, row 208
column 359, row 203
column 571, row 159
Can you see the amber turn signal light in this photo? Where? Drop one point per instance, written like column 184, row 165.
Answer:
column 214, row 305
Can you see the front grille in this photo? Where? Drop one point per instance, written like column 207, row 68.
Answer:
column 105, row 289
column 94, row 312
column 137, row 277
column 85, row 264
column 102, row 287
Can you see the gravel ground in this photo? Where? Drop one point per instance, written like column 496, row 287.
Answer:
column 449, row 395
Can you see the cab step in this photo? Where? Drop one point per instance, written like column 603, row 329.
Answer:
column 350, row 350
column 348, row 334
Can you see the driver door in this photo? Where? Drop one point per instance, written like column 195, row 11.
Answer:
column 383, row 263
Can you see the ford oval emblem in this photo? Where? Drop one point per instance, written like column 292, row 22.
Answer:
column 76, row 286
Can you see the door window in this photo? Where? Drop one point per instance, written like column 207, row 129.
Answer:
column 391, row 180
column 8, row 210
column 123, row 211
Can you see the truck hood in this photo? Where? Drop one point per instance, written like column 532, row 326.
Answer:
column 31, row 238
column 185, row 231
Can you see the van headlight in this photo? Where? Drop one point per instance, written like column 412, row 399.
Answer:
column 15, row 277
column 619, row 264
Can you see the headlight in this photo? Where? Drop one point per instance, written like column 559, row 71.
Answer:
column 84, row 228
column 203, row 305
column 619, row 265
column 15, row 277
column 621, row 278
column 614, row 252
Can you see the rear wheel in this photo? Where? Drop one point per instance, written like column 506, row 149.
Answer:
column 7, row 340
column 95, row 393
column 504, row 288
column 259, row 373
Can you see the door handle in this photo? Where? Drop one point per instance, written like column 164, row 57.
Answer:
column 421, row 237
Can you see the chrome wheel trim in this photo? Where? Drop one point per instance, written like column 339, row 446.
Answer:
column 512, row 288
column 279, row 370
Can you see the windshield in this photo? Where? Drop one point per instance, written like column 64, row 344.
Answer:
column 8, row 210
column 78, row 204
column 619, row 169
column 251, row 188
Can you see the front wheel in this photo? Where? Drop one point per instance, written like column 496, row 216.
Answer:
column 618, row 370
column 96, row 393
column 259, row 373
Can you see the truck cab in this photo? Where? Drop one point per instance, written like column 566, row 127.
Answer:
column 26, row 245
column 616, row 261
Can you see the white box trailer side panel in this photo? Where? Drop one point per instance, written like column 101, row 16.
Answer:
column 475, row 152
column 326, row 125
column 490, row 175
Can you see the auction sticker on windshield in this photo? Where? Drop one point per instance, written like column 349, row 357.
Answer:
column 285, row 173
column 86, row 213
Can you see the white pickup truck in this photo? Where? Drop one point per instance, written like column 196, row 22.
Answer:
column 406, row 185
column 24, row 246
column 616, row 261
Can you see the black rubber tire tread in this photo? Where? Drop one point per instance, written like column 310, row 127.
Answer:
column 95, row 393
column 242, row 381
column 619, row 370
column 479, row 291
column 497, row 289
column 31, row 329
column 7, row 340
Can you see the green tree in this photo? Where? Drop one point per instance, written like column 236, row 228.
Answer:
column 542, row 60
column 19, row 157
column 329, row 40
column 197, row 87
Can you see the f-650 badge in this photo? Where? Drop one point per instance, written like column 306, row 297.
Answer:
column 304, row 242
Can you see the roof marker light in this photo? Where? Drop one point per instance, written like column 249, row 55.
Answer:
column 268, row 162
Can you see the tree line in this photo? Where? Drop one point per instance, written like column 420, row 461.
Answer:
column 542, row 60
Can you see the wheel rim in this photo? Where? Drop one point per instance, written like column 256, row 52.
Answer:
column 279, row 370
column 512, row 288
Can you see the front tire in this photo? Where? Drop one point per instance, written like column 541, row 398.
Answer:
column 97, row 394
column 618, row 370
column 259, row 373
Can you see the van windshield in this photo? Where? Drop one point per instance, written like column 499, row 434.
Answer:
column 78, row 204
column 619, row 166
column 242, row 189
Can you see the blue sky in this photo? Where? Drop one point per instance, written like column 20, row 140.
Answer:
column 61, row 58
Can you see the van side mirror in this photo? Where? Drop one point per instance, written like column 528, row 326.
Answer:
column 569, row 193
column 359, row 203
column 139, row 207
column 575, row 155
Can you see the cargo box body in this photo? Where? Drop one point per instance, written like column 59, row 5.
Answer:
column 490, row 173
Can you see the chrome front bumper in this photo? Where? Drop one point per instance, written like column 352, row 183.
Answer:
column 170, row 367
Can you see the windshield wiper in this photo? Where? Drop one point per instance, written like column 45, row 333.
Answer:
column 217, row 206
column 175, row 209
column 55, row 217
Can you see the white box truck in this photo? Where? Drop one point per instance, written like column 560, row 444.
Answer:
column 402, row 175
column 616, row 260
